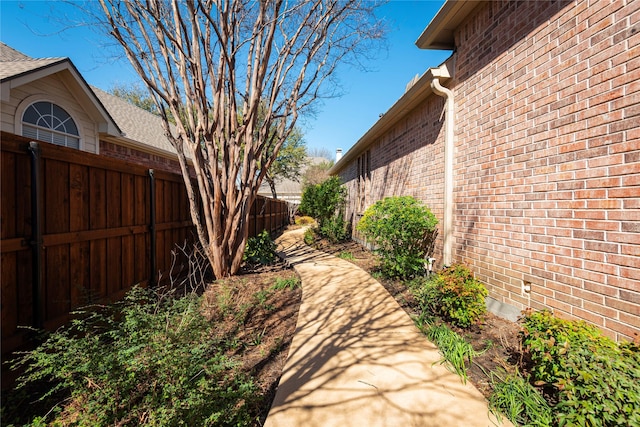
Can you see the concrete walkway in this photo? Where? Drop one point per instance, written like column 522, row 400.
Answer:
column 357, row 359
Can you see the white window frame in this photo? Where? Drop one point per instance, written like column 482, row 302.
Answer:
column 51, row 123
column 27, row 102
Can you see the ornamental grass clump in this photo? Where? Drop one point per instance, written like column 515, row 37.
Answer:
column 402, row 231
column 518, row 400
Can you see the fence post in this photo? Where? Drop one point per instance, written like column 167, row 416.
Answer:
column 36, row 235
column 152, row 229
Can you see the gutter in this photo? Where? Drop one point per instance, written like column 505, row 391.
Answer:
column 449, row 147
column 416, row 94
column 429, row 83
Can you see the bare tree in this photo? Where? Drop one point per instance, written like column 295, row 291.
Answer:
column 211, row 64
column 323, row 152
column 316, row 173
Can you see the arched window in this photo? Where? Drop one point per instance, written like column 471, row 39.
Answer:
column 48, row 122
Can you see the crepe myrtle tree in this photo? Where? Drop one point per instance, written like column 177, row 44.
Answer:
column 213, row 65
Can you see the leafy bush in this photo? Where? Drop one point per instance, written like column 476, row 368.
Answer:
column 144, row 360
column 455, row 295
column 304, row 220
column 519, row 401
column 402, row 230
column 309, row 236
column 325, row 202
column 260, row 249
column 595, row 381
column 335, row 229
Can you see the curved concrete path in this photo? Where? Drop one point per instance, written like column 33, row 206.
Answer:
column 357, row 359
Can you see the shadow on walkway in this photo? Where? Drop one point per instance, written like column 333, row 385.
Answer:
column 357, row 359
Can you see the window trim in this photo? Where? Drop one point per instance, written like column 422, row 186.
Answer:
column 30, row 100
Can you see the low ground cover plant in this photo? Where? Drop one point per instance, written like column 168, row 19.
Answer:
column 149, row 359
column 402, row 231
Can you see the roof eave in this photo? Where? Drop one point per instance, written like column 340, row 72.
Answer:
column 106, row 125
column 439, row 34
column 420, row 91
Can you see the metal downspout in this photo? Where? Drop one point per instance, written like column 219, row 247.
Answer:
column 447, row 94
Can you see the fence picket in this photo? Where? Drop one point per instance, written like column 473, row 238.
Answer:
column 97, row 234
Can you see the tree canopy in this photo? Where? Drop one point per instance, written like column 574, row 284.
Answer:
column 236, row 75
column 289, row 162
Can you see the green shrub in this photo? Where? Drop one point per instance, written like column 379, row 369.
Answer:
column 402, row 230
column 334, row 229
column 146, row 360
column 516, row 398
column 595, row 381
column 260, row 249
column 455, row 295
column 325, row 202
column 304, row 220
column 309, row 236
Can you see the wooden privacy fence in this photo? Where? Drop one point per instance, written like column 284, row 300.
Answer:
column 78, row 228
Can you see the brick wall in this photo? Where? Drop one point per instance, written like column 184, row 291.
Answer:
column 547, row 163
column 548, row 157
column 151, row 161
column 404, row 161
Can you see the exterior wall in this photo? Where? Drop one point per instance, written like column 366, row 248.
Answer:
column 53, row 89
column 404, row 161
column 547, row 163
column 152, row 161
column 548, row 157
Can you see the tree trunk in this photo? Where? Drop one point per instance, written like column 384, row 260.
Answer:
column 226, row 254
column 272, row 186
column 230, row 80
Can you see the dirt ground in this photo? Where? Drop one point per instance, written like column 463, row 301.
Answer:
column 262, row 329
column 256, row 320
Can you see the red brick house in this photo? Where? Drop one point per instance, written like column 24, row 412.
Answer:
column 47, row 99
column 525, row 143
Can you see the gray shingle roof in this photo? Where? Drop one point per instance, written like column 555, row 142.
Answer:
column 16, row 63
column 8, row 53
column 138, row 125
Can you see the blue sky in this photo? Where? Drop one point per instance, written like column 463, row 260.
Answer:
column 36, row 29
